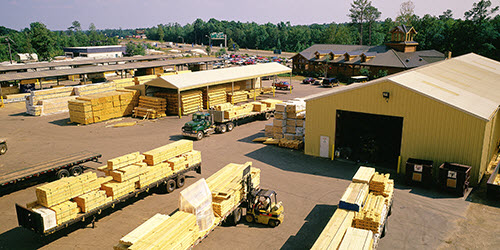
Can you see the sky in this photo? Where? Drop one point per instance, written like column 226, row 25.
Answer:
column 58, row 14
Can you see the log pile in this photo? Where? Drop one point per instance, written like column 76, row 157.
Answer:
column 215, row 95
column 355, row 238
column 237, row 96
column 150, row 107
column 191, row 101
column 104, row 106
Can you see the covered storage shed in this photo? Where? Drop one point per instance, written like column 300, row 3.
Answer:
column 445, row 111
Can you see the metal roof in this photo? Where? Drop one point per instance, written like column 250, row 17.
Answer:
column 213, row 77
column 16, row 67
column 103, row 68
column 469, row 83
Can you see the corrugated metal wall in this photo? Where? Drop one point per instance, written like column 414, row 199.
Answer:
column 432, row 130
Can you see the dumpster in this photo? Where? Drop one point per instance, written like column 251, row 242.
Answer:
column 454, row 177
column 419, row 172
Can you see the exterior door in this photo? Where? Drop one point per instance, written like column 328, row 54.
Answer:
column 324, row 146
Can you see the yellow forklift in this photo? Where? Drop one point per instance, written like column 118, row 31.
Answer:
column 264, row 208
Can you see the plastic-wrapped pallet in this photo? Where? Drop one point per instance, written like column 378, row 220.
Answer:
column 197, row 199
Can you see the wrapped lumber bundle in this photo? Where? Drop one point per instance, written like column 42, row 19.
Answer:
column 65, row 211
column 354, row 197
column 291, row 143
column 216, row 95
column 177, row 163
column 197, row 199
column 55, row 105
column 118, row 189
column 168, row 151
column 91, row 200
column 363, row 175
column 94, row 88
column 151, row 107
column 179, row 231
column 379, row 184
column 332, row 235
column 34, row 101
column 356, row 238
column 237, row 96
column 370, row 217
column 289, row 124
column 64, row 189
column 191, row 101
column 226, row 187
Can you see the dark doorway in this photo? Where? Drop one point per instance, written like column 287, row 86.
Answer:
column 368, row 138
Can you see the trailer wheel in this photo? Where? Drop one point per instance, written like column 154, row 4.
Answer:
column 249, row 218
column 267, row 116
column 75, row 170
column 273, row 223
column 3, row 149
column 230, row 127
column 199, row 135
column 62, row 173
column 236, row 216
column 170, row 186
column 222, row 128
column 181, row 180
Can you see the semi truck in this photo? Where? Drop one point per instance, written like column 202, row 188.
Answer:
column 214, row 121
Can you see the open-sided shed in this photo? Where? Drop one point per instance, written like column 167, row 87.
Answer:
column 445, row 112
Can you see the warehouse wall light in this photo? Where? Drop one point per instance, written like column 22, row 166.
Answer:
column 386, row 96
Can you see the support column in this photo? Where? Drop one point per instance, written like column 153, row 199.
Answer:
column 291, row 86
column 40, row 82
column 254, row 96
column 179, row 103
column 208, row 100
column 57, row 79
column 232, row 93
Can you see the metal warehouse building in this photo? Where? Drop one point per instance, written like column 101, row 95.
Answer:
column 445, row 111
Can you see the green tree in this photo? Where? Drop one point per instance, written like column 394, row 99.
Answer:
column 75, row 26
column 133, row 49
column 372, row 15
column 232, row 46
column 358, row 12
column 364, row 72
column 161, row 33
column 406, row 13
column 480, row 11
column 41, row 40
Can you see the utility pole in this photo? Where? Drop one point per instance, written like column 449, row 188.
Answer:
column 8, row 40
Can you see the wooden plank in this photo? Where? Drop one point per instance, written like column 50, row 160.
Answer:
column 354, row 197
column 334, row 231
column 355, row 238
column 144, row 229
column 363, row 175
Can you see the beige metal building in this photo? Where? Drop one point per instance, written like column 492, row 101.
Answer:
column 445, row 111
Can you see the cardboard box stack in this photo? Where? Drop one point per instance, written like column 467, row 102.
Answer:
column 237, row 96
column 191, row 101
column 150, row 107
column 104, row 106
column 35, row 106
column 216, row 95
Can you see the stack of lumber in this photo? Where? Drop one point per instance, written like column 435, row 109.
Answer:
column 356, row 238
column 271, row 103
column 191, row 101
column 354, row 197
column 151, row 107
column 252, row 94
column 332, row 235
column 269, row 130
column 104, row 106
column 91, row 200
column 143, row 79
column 124, row 160
column 226, row 187
column 67, row 188
column 289, row 120
column 179, row 231
column 119, row 189
column 192, row 158
column 259, row 106
column 123, row 83
column 293, row 144
column 215, row 95
column 177, row 163
column 379, row 184
column 237, row 96
column 237, row 111
column 65, row 211
column 153, row 174
column 55, row 105
column 363, row 175
column 129, row 173
column 223, row 106
column 370, row 217
column 255, row 175
column 168, row 151
column 267, row 90
column 94, row 88
column 34, row 105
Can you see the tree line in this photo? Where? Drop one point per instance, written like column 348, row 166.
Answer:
column 478, row 32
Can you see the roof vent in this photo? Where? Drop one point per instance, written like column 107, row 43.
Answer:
column 407, row 60
column 420, row 59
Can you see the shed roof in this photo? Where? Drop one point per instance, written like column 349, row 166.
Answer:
column 468, row 83
column 213, row 77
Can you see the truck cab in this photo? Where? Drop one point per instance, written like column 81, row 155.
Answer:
column 201, row 124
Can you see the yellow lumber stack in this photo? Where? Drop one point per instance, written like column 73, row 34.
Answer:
column 289, row 121
column 91, row 89
column 259, row 106
column 251, row 93
column 154, row 173
column 150, row 107
column 64, row 189
column 271, row 103
column 191, row 101
column 177, row 163
column 356, row 238
column 363, row 175
column 177, row 232
column 293, row 144
column 237, row 111
column 370, row 217
column 91, row 200
column 168, row 151
column 128, row 173
column 379, row 184
column 223, row 106
column 123, row 83
column 143, row 230
column 215, row 95
column 124, row 160
column 255, row 175
column 65, row 211
column 332, row 235
column 237, row 96
column 118, row 189
column 192, row 158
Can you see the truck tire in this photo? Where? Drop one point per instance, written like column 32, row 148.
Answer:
column 273, row 223
column 199, row 135
column 170, row 186
column 249, row 218
column 181, row 180
column 3, row 149
column 236, row 216
column 222, row 128
column 267, row 116
column 75, row 170
column 62, row 173
column 384, row 230
column 230, row 127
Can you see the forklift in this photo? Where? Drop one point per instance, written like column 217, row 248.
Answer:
column 264, row 208
column 3, row 146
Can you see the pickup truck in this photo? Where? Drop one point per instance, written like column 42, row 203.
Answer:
column 283, row 85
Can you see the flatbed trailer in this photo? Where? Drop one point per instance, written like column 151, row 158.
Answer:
column 60, row 167
column 33, row 221
column 386, row 212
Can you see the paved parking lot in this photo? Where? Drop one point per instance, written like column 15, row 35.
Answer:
column 309, row 187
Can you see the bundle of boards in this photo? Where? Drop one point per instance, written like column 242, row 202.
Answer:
column 358, row 220
column 150, row 107
column 190, row 101
column 180, row 231
column 214, row 96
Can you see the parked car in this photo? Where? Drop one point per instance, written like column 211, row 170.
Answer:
column 308, row 80
column 330, row 82
column 318, row 81
column 283, row 85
